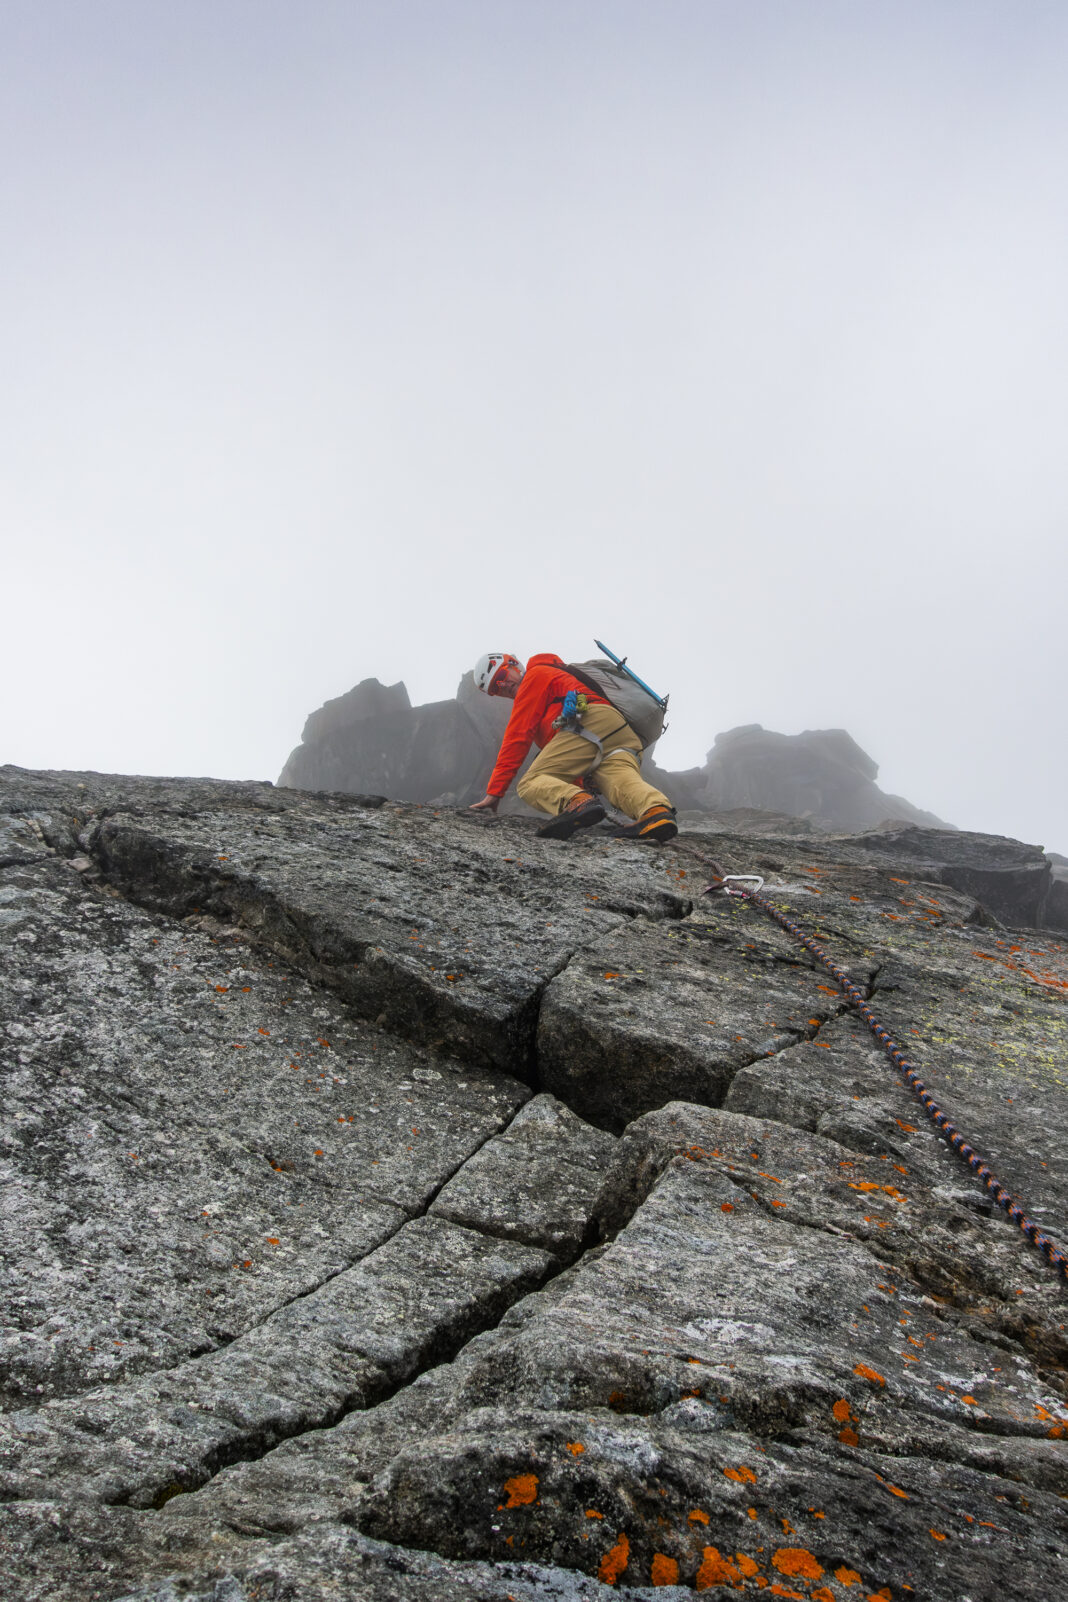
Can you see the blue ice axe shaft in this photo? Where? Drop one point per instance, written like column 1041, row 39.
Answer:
column 621, row 662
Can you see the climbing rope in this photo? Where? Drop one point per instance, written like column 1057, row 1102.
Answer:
column 735, row 885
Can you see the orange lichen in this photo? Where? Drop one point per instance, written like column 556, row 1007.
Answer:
column 574, row 1447
column 614, row 1561
column 726, row 1207
column 521, row 1490
column 869, row 1374
column 841, row 1411
column 741, row 1473
column 747, row 1565
column 592, row 1513
column 752, row 1512
column 846, row 1576
column 696, row 1516
column 664, row 1570
column 969, row 1401
column 716, row 1570
column 822, row 1595
column 936, row 1535
column 849, row 1436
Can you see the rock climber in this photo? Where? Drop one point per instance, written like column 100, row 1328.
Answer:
column 558, row 779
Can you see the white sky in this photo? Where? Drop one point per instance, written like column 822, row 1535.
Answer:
column 352, row 339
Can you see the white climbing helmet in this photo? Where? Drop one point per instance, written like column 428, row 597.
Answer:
column 487, row 668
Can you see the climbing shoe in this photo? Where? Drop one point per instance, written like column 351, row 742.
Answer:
column 581, row 811
column 656, row 826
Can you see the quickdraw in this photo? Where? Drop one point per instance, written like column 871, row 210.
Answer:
column 735, row 885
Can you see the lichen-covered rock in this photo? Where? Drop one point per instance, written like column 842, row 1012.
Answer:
column 312, row 1104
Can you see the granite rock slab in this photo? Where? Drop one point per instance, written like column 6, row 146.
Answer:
column 378, row 1304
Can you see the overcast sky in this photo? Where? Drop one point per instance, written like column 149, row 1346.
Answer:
column 353, row 339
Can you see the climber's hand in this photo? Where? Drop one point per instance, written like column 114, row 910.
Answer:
column 489, row 803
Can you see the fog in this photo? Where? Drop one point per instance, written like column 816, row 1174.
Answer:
column 353, row 339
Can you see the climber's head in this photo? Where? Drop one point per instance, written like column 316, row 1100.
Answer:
column 499, row 673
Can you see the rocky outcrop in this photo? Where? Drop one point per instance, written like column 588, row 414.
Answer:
column 398, row 1205
column 1055, row 910
column 373, row 741
column 820, row 774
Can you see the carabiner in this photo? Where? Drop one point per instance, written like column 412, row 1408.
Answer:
column 729, row 879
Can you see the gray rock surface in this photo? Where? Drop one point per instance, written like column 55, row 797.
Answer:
column 397, row 1205
column 535, row 1182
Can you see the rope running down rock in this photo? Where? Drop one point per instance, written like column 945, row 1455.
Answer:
column 979, row 1167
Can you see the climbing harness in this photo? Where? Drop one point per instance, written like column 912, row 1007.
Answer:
column 572, row 710
column 734, row 884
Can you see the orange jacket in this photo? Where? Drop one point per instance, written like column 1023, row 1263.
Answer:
column 537, row 702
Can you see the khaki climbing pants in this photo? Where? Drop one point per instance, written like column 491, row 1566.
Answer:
column 550, row 781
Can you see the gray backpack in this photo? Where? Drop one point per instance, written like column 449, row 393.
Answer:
column 643, row 710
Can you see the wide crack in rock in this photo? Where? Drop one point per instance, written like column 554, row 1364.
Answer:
column 442, row 929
